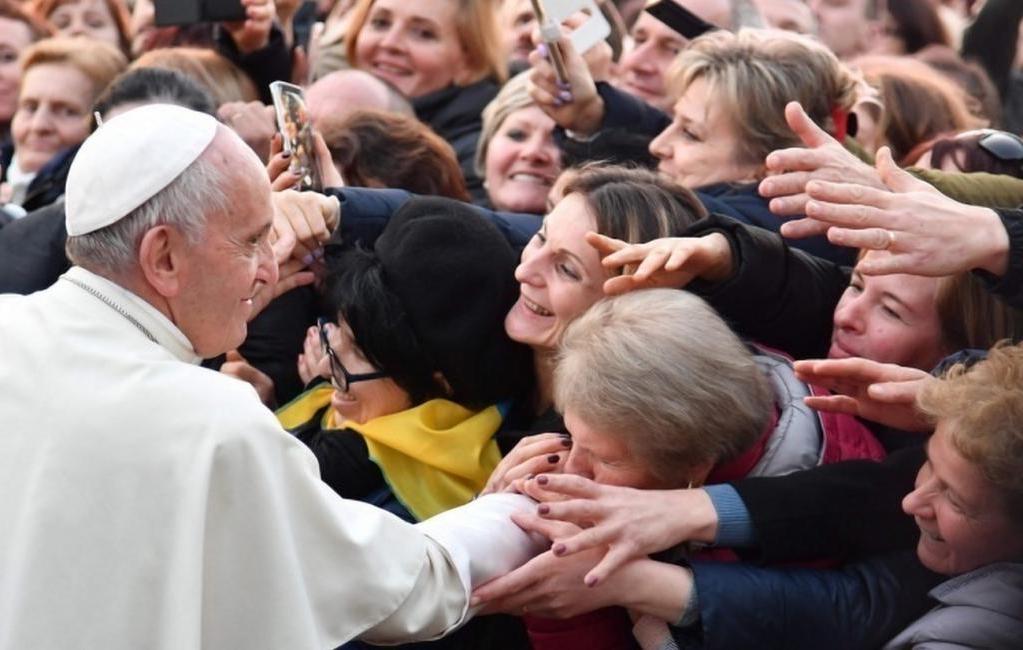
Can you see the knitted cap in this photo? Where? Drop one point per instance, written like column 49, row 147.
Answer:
column 452, row 273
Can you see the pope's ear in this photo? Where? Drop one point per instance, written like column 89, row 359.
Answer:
column 161, row 259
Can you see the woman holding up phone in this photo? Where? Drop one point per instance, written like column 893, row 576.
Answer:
column 445, row 55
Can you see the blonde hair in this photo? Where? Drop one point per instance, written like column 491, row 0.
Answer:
column 98, row 61
column 513, row 96
column 478, row 33
column 983, row 409
column 660, row 370
column 754, row 73
column 222, row 79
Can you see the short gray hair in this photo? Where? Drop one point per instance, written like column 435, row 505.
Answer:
column 661, row 370
column 185, row 203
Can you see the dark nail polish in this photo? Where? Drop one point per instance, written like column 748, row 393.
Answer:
column 542, row 479
column 558, row 549
column 567, row 442
column 543, row 509
column 553, row 458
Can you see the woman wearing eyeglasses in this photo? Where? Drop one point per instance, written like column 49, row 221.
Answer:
column 421, row 371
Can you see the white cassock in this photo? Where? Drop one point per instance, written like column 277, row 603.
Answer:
column 147, row 503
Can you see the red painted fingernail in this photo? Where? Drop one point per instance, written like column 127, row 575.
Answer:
column 553, row 458
column 542, row 480
column 543, row 509
column 558, row 549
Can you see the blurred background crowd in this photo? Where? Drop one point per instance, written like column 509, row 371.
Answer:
column 834, row 183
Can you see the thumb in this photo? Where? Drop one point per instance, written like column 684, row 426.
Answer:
column 330, row 208
column 300, row 65
column 894, row 178
column 807, row 130
column 329, row 174
column 234, row 355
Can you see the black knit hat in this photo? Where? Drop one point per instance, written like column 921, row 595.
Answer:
column 432, row 296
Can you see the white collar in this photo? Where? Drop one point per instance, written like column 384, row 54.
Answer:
column 144, row 316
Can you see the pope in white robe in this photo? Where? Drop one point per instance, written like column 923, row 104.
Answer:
column 149, row 503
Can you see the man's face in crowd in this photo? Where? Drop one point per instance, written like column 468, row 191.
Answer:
column 642, row 68
column 843, row 25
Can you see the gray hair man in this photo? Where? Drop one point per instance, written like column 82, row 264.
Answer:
column 150, row 503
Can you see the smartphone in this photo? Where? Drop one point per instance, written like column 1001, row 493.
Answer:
column 550, row 33
column 297, row 131
column 679, row 19
column 189, row 12
column 594, row 30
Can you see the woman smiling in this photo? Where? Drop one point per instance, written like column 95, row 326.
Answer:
column 443, row 54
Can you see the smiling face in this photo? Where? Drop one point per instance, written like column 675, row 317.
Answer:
column 700, row 146
column 414, row 46
column 560, row 276
column 522, row 161
column 233, row 260
column 88, row 19
column 53, row 106
column 889, row 319
column 961, row 514
column 364, row 400
column 642, row 68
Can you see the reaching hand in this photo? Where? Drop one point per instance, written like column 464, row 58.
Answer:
column 621, row 523
column 279, row 165
column 923, row 231
column 308, row 218
column 238, row 367
column 823, row 158
column 670, row 262
column 253, row 121
column 253, row 33
column 879, row 392
column 310, row 361
column 576, row 106
column 545, row 452
column 547, row 585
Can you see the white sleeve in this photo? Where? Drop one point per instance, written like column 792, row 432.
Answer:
column 467, row 546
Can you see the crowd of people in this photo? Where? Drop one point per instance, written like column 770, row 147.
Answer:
column 708, row 336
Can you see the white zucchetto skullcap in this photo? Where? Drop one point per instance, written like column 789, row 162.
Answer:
column 129, row 160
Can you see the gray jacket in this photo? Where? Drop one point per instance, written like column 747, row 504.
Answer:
column 980, row 609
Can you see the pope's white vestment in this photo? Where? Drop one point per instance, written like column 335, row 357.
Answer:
column 147, row 503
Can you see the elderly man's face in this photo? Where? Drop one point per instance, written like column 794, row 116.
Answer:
column 234, row 259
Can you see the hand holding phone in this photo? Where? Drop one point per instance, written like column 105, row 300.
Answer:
column 297, row 132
